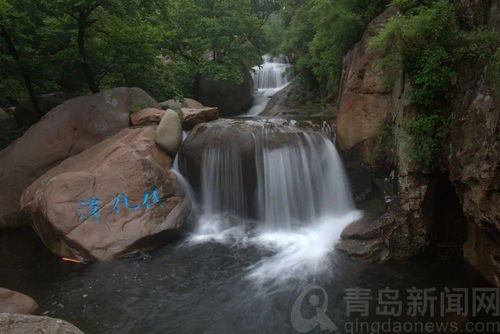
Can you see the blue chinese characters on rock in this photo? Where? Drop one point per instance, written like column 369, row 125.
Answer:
column 89, row 209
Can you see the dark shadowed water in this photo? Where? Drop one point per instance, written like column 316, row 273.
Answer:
column 196, row 289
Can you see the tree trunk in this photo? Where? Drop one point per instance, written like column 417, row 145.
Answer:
column 87, row 71
column 24, row 73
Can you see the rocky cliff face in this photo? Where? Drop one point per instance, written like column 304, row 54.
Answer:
column 365, row 98
column 455, row 200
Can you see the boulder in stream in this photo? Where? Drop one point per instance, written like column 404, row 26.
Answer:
column 70, row 128
column 30, row 324
column 169, row 132
column 16, row 302
column 193, row 117
column 117, row 197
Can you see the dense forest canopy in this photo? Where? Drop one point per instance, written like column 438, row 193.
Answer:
column 163, row 45
column 88, row 45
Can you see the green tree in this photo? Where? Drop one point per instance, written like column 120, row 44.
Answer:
column 320, row 32
column 15, row 40
column 161, row 45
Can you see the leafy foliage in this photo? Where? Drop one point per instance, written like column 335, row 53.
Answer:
column 427, row 132
column 432, row 46
column 161, row 46
column 318, row 33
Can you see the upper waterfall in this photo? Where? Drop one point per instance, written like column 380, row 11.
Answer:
column 269, row 78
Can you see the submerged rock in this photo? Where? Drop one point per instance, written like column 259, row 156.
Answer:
column 65, row 131
column 169, row 132
column 30, row 324
column 16, row 302
column 114, row 198
column 148, row 116
column 193, row 117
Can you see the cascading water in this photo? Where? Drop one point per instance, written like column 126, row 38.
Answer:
column 269, row 78
column 274, row 185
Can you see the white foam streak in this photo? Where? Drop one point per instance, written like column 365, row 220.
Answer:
column 299, row 253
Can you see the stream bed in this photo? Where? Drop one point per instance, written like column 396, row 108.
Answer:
column 200, row 288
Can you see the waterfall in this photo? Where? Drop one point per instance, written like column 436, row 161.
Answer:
column 299, row 182
column 269, row 78
column 271, row 184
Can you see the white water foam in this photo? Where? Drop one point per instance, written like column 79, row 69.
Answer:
column 269, row 78
column 301, row 253
column 303, row 202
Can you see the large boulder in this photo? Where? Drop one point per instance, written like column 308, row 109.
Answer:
column 232, row 98
column 193, row 117
column 169, row 132
column 25, row 113
column 148, row 116
column 15, row 302
column 30, row 324
column 179, row 104
column 114, row 198
column 65, row 131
